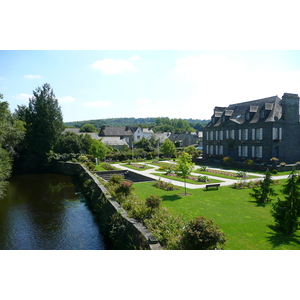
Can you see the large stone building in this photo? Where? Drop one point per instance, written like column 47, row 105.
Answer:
column 257, row 130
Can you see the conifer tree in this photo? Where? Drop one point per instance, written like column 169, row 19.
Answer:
column 263, row 192
column 286, row 212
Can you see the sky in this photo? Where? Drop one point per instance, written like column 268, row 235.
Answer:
column 185, row 84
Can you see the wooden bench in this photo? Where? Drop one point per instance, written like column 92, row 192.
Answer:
column 212, row 185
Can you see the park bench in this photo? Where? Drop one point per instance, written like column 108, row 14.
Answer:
column 212, row 185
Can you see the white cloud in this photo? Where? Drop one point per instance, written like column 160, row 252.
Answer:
column 219, row 81
column 98, row 104
column 23, row 97
column 67, row 99
column 111, row 66
column 2, row 78
column 135, row 57
column 32, row 76
column 143, row 101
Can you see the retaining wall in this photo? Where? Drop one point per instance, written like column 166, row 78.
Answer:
column 128, row 232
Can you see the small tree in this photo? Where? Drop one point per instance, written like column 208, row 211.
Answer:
column 202, row 234
column 168, row 148
column 263, row 192
column 88, row 128
column 97, row 149
column 286, row 212
column 184, row 167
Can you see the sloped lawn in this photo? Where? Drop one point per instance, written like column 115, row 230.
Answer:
column 239, row 217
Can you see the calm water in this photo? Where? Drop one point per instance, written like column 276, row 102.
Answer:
column 45, row 211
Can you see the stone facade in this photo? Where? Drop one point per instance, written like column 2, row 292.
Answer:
column 257, row 130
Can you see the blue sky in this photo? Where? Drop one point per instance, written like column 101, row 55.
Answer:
column 167, row 83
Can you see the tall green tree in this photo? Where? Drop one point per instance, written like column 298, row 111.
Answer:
column 44, row 121
column 11, row 136
column 168, row 148
column 264, row 191
column 286, row 212
column 97, row 149
column 184, row 167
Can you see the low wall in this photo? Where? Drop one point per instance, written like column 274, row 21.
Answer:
column 124, row 232
column 127, row 174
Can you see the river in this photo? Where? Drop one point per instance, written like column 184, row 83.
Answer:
column 47, row 212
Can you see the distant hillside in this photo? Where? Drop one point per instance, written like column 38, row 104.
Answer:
column 197, row 124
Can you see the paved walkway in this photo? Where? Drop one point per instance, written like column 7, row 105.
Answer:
column 225, row 182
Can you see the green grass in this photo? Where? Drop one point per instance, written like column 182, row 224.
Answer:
column 187, row 180
column 245, row 223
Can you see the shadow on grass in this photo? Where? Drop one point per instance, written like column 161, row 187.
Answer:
column 171, row 197
column 279, row 238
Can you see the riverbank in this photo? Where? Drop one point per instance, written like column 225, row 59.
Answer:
column 123, row 233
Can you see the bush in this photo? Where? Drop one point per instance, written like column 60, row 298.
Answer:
column 166, row 228
column 165, row 185
column 203, row 179
column 228, row 160
column 124, row 189
column 202, row 234
column 83, row 158
column 274, row 171
column 153, row 201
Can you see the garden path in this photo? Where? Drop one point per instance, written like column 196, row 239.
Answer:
column 225, row 182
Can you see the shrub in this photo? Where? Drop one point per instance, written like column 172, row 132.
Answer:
column 116, row 179
column 108, row 166
column 153, row 201
column 165, row 185
column 248, row 162
column 166, row 228
column 90, row 166
column 202, row 234
column 274, row 171
column 203, row 179
column 242, row 174
column 83, row 158
column 228, row 160
column 203, row 169
column 124, row 189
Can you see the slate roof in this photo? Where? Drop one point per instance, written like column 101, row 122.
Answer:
column 113, row 141
column 237, row 113
column 115, row 131
column 93, row 135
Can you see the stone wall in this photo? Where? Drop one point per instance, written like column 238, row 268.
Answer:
column 114, row 221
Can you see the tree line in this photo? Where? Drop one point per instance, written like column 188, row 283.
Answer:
column 161, row 124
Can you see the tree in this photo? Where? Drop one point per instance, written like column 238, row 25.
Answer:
column 97, row 149
column 168, row 148
column 184, row 167
column 44, row 122
column 286, row 212
column 263, row 192
column 202, row 234
column 88, row 128
column 11, row 136
column 145, row 144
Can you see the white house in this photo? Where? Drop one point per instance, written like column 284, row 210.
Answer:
column 139, row 133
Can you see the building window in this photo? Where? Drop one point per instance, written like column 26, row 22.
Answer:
column 217, row 135
column 257, row 151
column 221, row 135
column 217, row 150
column 211, row 138
column 277, row 133
column 211, row 151
column 221, row 149
column 257, row 134
column 247, row 116
column 243, row 134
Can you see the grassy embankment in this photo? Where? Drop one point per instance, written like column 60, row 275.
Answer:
column 247, row 226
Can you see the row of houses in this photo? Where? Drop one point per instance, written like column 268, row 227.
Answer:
column 118, row 137
column 259, row 130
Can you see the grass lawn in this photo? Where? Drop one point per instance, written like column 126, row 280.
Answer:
column 234, row 211
column 187, row 180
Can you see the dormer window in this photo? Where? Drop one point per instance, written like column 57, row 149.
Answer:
column 247, row 116
column 262, row 114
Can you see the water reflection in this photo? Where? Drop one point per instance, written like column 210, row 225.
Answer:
column 45, row 211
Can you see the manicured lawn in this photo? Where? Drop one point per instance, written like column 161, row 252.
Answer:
column 187, row 180
column 239, row 217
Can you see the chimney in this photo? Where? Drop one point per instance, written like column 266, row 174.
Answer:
column 290, row 108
